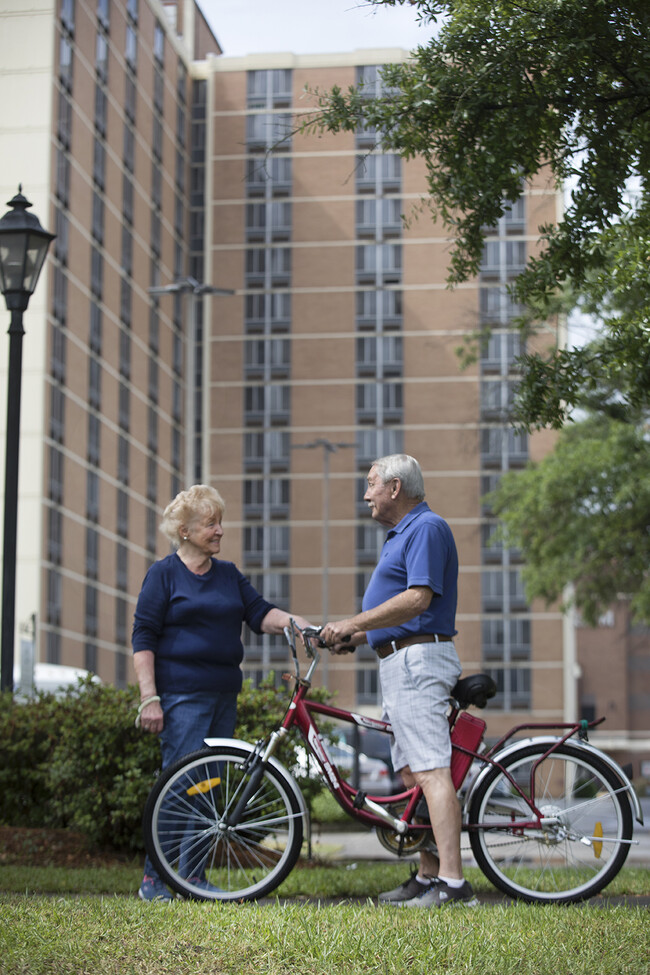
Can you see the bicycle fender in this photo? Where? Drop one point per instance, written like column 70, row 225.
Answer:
column 551, row 740
column 278, row 766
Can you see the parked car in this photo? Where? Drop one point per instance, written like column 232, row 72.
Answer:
column 374, row 774
column 376, row 744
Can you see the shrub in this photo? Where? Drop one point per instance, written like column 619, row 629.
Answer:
column 78, row 762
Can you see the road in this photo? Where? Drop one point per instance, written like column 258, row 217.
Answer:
column 363, row 845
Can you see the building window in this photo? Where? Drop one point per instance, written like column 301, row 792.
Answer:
column 152, row 430
column 96, row 273
column 131, row 47
column 94, row 430
column 92, row 553
column 97, row 225
column 101, row 57
column 90, row 657
column 130, row 97
column 123, row 460
column 367, row 679
column 53, row 607
column 379, row 356
column 99, row 164
column 159, row 44
column 122, row 526
column 60, row 298
column 67, row 15
column 55, row 489
column 129, row 148
column 121, row 566
column 378, row 442
column 55, row 536
column 124, row 406
column 125, row 354
column 62, row 178
column 92, row 496
column 151, row 528
column 64, row 126
column 120, row 622
column 57, row 414
column 65, row 62
column 379, row 401
column 103, row 13
column 95, row 337
column 91, row 601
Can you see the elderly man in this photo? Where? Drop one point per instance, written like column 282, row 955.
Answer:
column 408, row 618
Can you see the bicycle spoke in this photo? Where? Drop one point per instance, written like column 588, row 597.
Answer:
column 199, row 852
column 585, row 831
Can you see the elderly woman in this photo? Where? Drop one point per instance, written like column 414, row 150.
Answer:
column 187, row 636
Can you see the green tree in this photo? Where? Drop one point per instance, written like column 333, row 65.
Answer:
column 581, row 516
column 503, row 91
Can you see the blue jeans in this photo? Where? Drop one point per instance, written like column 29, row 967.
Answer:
column 188, row 719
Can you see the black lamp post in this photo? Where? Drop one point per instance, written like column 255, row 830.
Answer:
column 23, row 247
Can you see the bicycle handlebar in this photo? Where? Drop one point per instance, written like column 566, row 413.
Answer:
column 307, row 635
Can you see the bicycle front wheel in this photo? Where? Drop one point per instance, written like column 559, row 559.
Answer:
column 584, row 842
column 190, row 843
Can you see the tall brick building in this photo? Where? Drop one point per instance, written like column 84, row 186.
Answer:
column 160, row 164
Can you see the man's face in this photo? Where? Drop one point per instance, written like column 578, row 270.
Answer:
column 380, row 499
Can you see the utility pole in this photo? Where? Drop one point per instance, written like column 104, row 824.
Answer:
column 328, row 448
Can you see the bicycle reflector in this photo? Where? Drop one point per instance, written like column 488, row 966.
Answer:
column 597, row 844
column 204, row 786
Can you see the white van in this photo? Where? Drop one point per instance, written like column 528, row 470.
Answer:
column 51, row 678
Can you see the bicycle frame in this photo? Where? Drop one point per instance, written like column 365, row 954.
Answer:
column 374, row 811
column 556, row 831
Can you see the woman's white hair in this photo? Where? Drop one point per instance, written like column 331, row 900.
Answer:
column 406, row 469
column 199, row 501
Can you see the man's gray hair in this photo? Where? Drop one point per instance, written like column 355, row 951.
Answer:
column 404, row 467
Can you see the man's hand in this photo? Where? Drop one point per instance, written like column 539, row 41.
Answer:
column 341, row 632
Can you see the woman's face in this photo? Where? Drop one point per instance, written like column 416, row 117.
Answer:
column 205, row 533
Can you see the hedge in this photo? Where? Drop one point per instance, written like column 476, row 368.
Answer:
column 77, row 761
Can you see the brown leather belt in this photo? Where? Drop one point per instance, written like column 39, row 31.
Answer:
column 387, row 648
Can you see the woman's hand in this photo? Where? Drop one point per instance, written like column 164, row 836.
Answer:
column 151, row 718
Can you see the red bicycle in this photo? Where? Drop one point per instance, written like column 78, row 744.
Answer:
column 549, row 818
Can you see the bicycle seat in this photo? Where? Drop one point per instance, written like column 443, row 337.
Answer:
column 475, row 689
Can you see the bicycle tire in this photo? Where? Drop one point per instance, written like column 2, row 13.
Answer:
column 565, row 862
column 188, row 843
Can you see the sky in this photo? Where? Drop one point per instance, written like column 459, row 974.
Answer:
column 310, row 26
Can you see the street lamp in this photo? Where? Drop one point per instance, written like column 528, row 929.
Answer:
column 195, row 290
column 328, row 448
column 23, row 248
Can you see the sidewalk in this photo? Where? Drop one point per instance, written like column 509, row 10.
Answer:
column 356, row 844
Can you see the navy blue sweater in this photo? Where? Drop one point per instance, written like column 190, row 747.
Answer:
column 192, row 623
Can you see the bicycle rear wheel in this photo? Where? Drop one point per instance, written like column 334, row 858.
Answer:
column 187, row 838
column 566, row 860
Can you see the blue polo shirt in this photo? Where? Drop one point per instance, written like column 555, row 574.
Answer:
column 419, row 551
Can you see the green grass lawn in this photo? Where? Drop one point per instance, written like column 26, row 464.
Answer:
column 77, row 922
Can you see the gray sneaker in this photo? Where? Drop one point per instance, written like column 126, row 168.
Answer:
column 407, row 891
column 439, row 894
